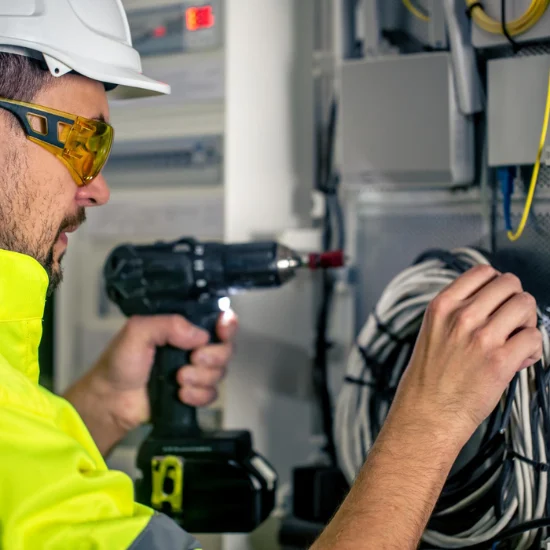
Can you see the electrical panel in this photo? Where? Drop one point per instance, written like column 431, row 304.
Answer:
column 185, row 27
column 514, row 10
column 400, row 124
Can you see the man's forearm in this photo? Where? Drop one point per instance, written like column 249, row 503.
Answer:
column 395, row 492
column 89, row 397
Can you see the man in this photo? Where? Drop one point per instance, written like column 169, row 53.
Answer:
column 60, row 57
column 55, row 490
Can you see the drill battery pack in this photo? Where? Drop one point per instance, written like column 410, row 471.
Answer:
column 212, row 483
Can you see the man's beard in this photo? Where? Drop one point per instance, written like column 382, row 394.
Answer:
column 43, row 252
column 49, row 263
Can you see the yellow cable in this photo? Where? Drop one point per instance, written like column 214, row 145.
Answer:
column 534, row 178
column 416, row 12
column 516, row 27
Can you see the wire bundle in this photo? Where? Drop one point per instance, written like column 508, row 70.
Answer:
column 518, row 26
column 493, row 496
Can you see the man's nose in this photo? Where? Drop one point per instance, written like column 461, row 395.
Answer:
column 96, row 193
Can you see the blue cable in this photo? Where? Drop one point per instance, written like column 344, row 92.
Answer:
column 506, row 177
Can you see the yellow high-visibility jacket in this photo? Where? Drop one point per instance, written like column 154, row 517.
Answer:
column 56, row 492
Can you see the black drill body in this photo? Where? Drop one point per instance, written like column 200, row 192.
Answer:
column 209, row 482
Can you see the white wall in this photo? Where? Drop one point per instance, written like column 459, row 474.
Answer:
column 269, row 176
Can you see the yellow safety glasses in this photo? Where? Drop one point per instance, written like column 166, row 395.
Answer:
column 82, row 144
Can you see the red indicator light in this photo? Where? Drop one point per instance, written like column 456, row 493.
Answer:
column 198, row 18
column 159, row 32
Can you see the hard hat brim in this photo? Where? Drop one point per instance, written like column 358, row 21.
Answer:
column 129, row 84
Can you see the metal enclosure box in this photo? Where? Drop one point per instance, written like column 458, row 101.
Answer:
column 514, row 9
column 517, row 89
column 401, row 124
column 394, row 228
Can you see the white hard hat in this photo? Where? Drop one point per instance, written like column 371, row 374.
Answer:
column 89, row 37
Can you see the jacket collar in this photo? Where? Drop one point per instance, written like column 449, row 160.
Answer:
column 23, row 286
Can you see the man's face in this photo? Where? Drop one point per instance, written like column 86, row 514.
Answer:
column 41, row 203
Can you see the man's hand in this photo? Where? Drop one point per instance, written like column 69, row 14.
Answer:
column 475, row 336
column 112, row 398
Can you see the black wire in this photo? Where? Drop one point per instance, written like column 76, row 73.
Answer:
column 535, row 425
column 339, row 221
column 331, row 139
column 513, row 43
column 509, row 402
column 320, row 374
column 328, row 183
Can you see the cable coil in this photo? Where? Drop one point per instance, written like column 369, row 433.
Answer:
column 518, row 26
column 504, row 485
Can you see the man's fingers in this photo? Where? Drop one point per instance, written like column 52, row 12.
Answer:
column 198, row 397
column 216, row 355
column 520, row 311
column 200, row 376
column 162, row 330
column 494, row 294
column 470, row 282
column 521, row 350
column 227, row 326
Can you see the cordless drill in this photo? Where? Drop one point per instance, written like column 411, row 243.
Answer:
column 209, row 482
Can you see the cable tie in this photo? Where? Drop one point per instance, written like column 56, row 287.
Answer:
column 370, row 362
column 471, row 8
column 359, row 382
column 539, row 466
column 384, row 329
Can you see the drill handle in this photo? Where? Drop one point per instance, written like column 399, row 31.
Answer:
column 169, row 416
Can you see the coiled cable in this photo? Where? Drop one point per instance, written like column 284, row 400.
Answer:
column 522, row 24
column 505, row 484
